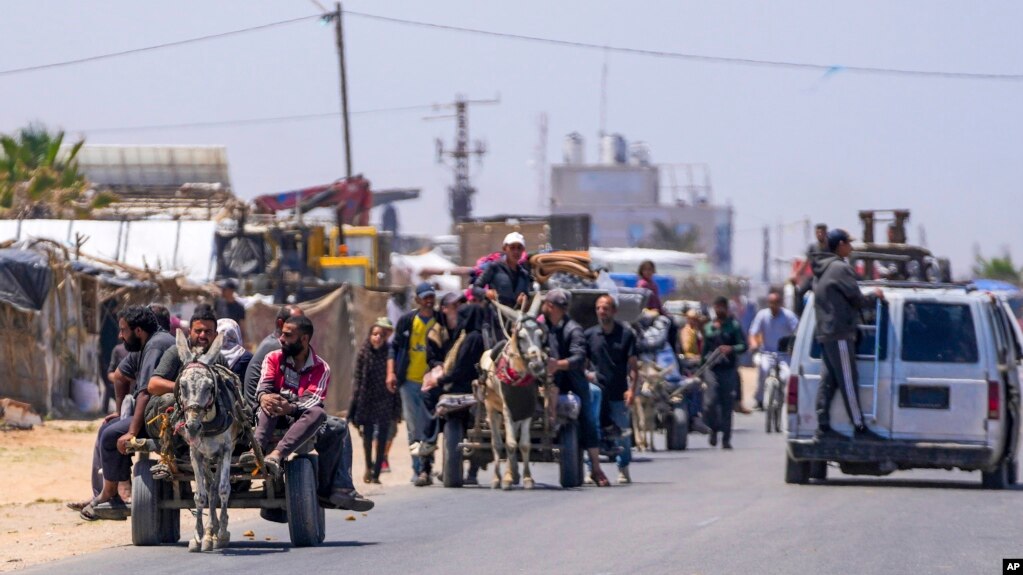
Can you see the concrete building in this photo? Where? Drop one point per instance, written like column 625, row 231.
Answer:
column 634, row 203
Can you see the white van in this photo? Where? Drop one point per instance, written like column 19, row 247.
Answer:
column 941, row 383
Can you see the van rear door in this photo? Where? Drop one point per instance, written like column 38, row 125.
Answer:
column 873, row 400
column 940, row 384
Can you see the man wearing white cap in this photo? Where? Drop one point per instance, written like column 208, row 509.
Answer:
column 508, row 281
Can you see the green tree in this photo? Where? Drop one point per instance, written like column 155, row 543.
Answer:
column 665, row 236
column 998, row 269
column 37, row 180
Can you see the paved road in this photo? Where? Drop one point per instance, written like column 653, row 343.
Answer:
column 699, row 511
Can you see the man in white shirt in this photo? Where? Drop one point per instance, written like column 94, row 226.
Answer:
column 770, row 325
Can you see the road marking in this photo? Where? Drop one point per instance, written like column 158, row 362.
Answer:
column 707, row 522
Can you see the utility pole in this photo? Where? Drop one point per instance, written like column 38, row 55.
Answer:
column 765, row 274
column 339, row 37
column 460, row 194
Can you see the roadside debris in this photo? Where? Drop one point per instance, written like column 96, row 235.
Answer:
column 17, row 415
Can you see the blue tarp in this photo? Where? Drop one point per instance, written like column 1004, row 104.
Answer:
column 665, row 284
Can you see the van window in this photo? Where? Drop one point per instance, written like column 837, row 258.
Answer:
column 938, row 333
column 864, row 335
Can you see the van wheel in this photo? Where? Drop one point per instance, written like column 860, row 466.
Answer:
column 797, row 472
column 1012, row 471
column 819, row 470
column 998, row 478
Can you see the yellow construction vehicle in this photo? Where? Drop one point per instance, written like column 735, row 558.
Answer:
column 356, row 261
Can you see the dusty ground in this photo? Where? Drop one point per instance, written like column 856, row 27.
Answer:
column 49, row 465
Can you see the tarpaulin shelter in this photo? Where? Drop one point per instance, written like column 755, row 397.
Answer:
column 53, row 310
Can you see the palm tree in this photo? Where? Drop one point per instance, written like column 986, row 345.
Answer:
column 666, row 237
column 998, row 269
column 37, row 180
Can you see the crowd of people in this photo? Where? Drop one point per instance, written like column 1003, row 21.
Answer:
column 409, row 360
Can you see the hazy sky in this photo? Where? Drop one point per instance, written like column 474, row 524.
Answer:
column 782, row 144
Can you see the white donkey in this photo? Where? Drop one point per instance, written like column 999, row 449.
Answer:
column 211, row 430
column 512, row 380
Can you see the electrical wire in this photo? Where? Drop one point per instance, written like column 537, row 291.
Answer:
column 697, row 57
column 251, row 121
column 826, row 68
column 175, row 43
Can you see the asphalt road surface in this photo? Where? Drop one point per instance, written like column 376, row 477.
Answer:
column 698, row 511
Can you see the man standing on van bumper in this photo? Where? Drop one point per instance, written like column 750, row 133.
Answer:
column 837, row 303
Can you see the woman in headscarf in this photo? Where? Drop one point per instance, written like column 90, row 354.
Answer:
column 374, row 407
column 234, row 352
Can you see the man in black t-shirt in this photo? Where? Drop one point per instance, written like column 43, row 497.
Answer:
column 611, row 350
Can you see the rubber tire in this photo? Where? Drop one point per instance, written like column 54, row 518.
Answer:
column 676, row 430
column 1012, row 471
column 170, row 519
column 819, row 470
column 997, row 479
column 145, row 498
column 305, row 516
column 796, row 472
column 454, row 433
column 571, row 472
column 274, row 515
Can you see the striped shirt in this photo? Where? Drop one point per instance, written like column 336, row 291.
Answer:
column 308, row 385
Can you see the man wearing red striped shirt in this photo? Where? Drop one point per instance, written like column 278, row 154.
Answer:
column 293, row 385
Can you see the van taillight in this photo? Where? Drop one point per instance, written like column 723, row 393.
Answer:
column 792, row 394
column 994, row 400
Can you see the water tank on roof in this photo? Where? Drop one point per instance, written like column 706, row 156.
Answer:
column 613, row 150
column 574, row 153
column 639, row 154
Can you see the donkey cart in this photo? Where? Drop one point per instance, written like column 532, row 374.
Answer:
column 554, row 441
column 156, row 503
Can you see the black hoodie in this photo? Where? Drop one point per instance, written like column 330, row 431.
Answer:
column 837, row 298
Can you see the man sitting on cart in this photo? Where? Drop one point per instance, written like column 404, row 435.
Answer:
column 290, row 394
column 330, row 443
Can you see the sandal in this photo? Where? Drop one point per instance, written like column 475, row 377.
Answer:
column 600, row 479
column 113, row 509
column 78, row 505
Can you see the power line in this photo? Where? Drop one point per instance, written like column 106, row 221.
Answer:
column 97, row 57
column 698, row 57
column 250, row 121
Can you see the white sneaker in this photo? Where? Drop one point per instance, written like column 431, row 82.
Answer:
column 623, row 476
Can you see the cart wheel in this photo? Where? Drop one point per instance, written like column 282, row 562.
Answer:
column 571, row 456
column 145, row 498
column 305, row 516
column 170, row 519
column 454, row 432
column 676, row 432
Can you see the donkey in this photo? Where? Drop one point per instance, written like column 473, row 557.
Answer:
column 512, row 379
column 651, row 391
column 211, row 430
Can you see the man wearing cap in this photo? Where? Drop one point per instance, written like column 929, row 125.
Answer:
column 226, row 306
column 407, row 364
column 837, row 303
column 567, row 366
column 508, row 280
